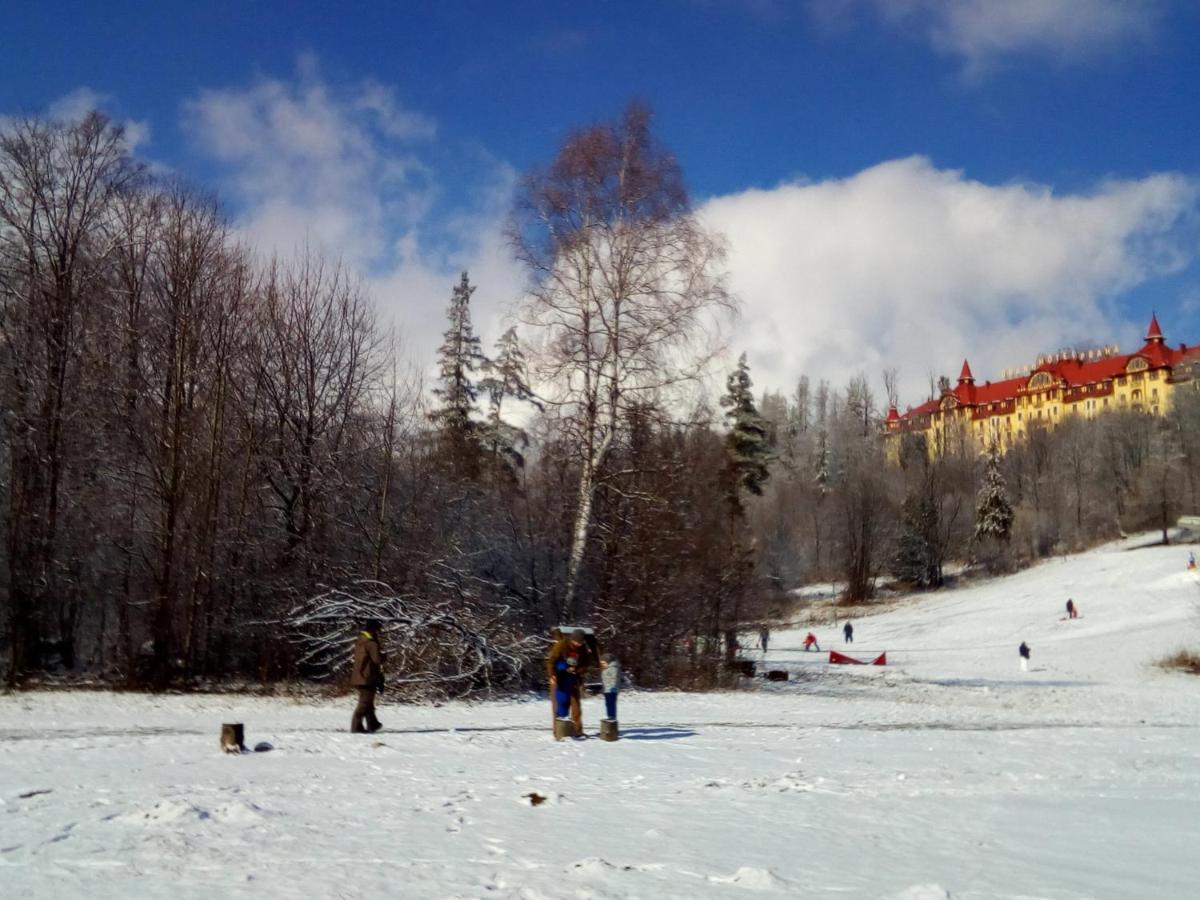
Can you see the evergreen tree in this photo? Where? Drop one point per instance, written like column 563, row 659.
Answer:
column 993, row 512
column 505, row 380
column 746, row 443
column 916, row 553
column 459, row 359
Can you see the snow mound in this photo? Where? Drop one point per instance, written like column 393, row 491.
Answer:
column 753, row 879
column 792, row 781
column 923, row 892
column 593, row 865
column 177, row 811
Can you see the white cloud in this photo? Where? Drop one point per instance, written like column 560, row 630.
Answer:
column 904, row 264
column 76, row 104
column 981, row 32
column 349, row 169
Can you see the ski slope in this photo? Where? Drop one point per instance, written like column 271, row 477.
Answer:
column 948, row 773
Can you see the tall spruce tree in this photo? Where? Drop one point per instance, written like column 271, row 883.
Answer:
column 746, row 444
column 505, row 379
column 459, row 358
column 916, row 555
column 993, row 511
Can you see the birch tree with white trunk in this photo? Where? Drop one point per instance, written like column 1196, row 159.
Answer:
column 626, row 290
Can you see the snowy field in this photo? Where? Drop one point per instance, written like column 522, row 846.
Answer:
column 948, row 773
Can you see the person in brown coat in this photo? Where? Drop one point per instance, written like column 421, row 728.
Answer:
column 367, row 677
column 566, row 665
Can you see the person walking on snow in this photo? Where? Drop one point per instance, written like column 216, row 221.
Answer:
column 610, row 677
column 366, row 676
column 764, row 636
column 1024, row 651
column 1191, row 561
column 848, row 633
column 1072, row 612
column 810, row 643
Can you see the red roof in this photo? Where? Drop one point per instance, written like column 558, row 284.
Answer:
column 1070, row 372
column 1154, row 333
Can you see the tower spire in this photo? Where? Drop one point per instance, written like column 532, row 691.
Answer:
column 1154, row 334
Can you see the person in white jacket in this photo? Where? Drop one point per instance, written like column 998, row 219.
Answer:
column 610, row 677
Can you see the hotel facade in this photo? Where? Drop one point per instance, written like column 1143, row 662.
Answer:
column 1059, row 386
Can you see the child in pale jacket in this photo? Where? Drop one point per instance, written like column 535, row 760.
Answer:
column 610, row 677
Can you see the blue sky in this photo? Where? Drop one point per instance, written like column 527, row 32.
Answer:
column 902, row 182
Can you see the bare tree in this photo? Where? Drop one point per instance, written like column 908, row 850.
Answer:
column 315, row 362
column 57, row 182
column 624, row 280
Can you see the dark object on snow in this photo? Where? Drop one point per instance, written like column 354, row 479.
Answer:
column 34, row 793
column 1072, row 612
column 263, row 746
column 764, row 637
column 777, row 675
column 535, row 799
column 848, row 633
column 609, row 731
column 1023, row 650
column 233, row 737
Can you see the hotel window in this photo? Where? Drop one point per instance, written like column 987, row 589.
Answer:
column 1154, row 394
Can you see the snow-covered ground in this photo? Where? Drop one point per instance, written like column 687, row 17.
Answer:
column 949, row 772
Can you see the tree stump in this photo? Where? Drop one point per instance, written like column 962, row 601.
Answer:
column 563, row 728
column 609, row 731
column 233, row 737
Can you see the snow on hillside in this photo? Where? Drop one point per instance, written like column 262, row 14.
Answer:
column 948, row 773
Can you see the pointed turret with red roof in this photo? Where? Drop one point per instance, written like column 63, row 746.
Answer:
column 965, row 376
column 1154, row 334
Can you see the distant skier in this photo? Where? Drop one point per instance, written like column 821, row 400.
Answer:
column 810, row 643
column 848, row 633
column 1191, row 561
column 1072, row 612
column 1024, row 651
column 764, row 637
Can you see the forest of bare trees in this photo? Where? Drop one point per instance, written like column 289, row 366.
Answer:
column 212, row 463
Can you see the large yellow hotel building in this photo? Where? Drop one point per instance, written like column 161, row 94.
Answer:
column 1067, row 383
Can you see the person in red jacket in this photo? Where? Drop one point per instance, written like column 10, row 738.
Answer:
column 810, row 643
